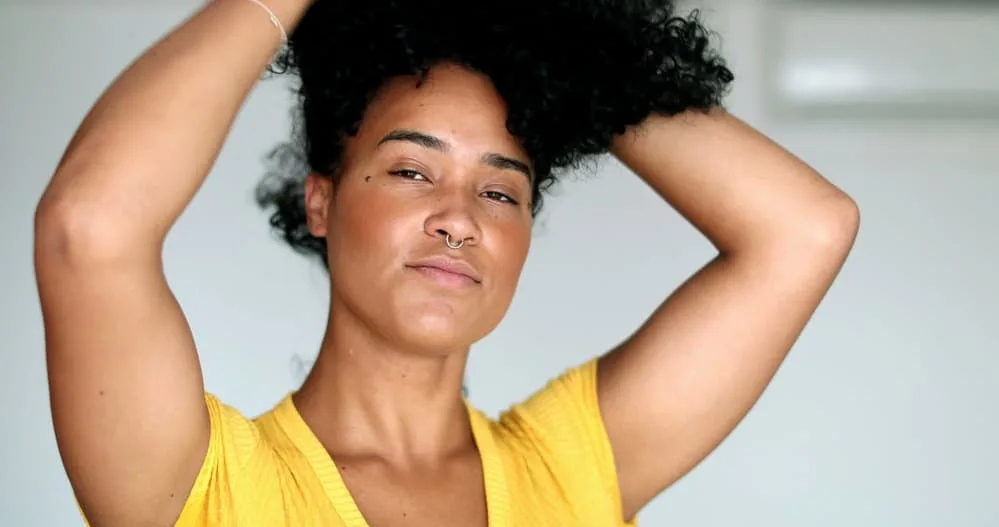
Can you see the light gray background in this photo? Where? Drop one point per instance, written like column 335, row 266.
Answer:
column 884, row 414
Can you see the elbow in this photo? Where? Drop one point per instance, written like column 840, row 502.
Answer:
column 70, row 232
column 835, row 225
column 820, row 240
column 822, row 232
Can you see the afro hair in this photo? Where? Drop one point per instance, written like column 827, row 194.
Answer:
column 573, row 73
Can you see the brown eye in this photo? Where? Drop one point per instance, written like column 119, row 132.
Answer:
column 409, row 174
column 499, row 196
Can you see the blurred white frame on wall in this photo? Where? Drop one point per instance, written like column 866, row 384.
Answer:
column 883, row 59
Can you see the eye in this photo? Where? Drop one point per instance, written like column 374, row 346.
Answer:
column 409, row 174
column 499, row 196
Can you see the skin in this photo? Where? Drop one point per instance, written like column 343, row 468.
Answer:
column 384, row 396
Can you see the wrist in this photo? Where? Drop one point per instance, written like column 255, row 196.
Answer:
column 284, row 14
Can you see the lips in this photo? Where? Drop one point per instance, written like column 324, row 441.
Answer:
column 447, row 271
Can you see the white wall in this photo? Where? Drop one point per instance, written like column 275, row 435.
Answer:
column 882, row 416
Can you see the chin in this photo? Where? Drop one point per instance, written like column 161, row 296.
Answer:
column 439, row 333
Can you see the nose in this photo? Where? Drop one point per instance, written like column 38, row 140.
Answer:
column 454, row 223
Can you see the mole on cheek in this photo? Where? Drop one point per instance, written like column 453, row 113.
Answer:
column 367, row 179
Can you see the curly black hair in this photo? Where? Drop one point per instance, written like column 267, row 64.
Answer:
column 573, row 73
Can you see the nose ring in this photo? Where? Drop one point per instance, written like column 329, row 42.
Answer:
column 451, row 244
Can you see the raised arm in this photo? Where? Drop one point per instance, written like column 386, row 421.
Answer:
column 673, row 391
column 124, row 377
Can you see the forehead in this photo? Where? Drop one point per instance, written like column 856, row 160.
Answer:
column 451, row 102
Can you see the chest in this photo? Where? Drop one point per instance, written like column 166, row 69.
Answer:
column 449, row 496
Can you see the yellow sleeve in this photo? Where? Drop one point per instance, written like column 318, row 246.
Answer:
column 560, row 436
column 233, row 442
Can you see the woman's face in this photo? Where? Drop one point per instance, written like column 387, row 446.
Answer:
column 428, row 161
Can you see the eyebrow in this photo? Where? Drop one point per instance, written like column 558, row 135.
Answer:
column 494, row 160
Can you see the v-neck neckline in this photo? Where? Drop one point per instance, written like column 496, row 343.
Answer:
column 493, row 476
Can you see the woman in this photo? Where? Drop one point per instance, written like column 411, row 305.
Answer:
column 428, row 144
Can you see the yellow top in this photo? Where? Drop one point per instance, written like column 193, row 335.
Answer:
column 546, row 463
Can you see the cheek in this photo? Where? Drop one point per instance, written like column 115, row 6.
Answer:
column 367, row 231
column 511, row 252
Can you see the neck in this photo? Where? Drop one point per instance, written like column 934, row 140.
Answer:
column 369, row 398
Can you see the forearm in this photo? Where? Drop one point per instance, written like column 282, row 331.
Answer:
column 739, row 188
column 147, row 144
